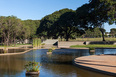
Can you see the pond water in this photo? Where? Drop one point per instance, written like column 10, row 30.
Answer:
column 105, row 51
column 59, row 64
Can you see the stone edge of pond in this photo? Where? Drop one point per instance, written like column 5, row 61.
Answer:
column 93, row 69
column 72, row 48
column 105, row 48
column 16, row 53
column 21, row 46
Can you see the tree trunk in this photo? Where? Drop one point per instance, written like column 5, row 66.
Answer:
column 61, row 38
column 67, row 38
column 14, row 42
column 103, row 36
column 2, row 41
column 7, row 42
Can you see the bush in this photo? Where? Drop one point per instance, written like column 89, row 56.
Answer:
column 91, row 48
column 36, row 42
column 32, row 66
column 50, row 50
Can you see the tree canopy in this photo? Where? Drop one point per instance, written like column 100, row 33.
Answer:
column 10, row 28
column 59, row 24
column 65, row 23
column 13, row 28
column 113, row 32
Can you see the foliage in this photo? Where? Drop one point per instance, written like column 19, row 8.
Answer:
column 13, row 28
column 10, row 28
column 59, row 24
column 32, row 66
column 67, row 26
column 53, row 48
column 32, row 26
column 93, row 46
column 94, row 39
column 65, row 23
column 93, row 33
column 113, row 32
column 36, row 42
column 96, row 13
column 50, row 50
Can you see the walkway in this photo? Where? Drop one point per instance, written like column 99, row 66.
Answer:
column 100, row 63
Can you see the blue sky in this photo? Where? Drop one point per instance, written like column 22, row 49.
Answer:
column 37, row 9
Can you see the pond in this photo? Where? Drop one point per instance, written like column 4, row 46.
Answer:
column 105, row 51
column 59, row 64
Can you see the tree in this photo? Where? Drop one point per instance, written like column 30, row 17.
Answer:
column 83, row 16
column 48, row 24
column 113, row 32
column 103, row 11
column 9, row 27
column 66, row 25
column 93, row 33
column 12, row 28
column 60, row 23
column 31, row 26
column 96, row 13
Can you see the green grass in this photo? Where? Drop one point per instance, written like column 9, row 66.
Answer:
column 24, row 44
column 93, row 46
column 90, row 39
column 95, row 39
column 17, row 45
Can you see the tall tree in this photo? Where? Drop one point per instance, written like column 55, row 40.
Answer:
column 47, row 26
column 103, row 11
column 93, row 33
column 60, row 23
column 66, row 25
column 32, row 26
column 96, row 13
column 113, row 32
column 9, row 27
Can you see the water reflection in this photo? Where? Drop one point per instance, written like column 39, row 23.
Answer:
column 62, row 70
column 59, row 64
column 9, row 65
column 99, row 51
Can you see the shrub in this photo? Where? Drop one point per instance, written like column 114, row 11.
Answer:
column 50, row 50
column 32, row 66
column 91, row 48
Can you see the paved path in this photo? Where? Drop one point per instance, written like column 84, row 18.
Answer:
column 100, row 63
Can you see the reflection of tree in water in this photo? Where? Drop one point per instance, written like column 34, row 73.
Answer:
column 63, row 56
column 10, row 65
column 66, row 70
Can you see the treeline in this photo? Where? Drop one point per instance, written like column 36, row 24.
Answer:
column 12, row 28
column 65, row 23
column 96, row 33
column 68, row 23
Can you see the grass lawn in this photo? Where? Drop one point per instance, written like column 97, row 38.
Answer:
column 93, row 39
column 93, row 46
column 17, row 45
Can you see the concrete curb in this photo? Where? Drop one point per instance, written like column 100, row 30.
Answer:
column 72, row 48
column 97, row 64
column 16, row 53
column 94, row 70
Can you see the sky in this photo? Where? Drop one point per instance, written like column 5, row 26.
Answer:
column 37, row 9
